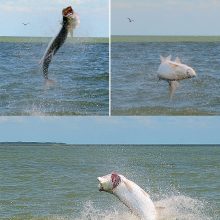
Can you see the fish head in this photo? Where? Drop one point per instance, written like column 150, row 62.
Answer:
column 174, row 70
column 70, row 19
column 109, row 182
column 68, row 12
column 190, row 72
column 184, row 72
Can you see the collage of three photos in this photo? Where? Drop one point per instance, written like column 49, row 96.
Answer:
column 109, row 109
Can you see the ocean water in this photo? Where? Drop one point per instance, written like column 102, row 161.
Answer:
column 135, row 86
column 79, row 69
column 57, row 182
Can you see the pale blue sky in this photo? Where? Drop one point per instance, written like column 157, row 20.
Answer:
column 44, row 17
column 111, row 130
column 166, row 17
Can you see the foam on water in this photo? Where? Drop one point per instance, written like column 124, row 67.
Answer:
column 182, row 208
column 172, row 208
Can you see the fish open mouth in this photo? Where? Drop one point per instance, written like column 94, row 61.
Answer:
column 100, row 185
column 68, row 11
column 101, row 188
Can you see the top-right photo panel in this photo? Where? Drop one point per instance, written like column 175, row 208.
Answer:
column 165, row 57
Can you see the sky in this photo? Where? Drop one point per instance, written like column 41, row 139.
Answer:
column 45, row 16
column 166, row 17
column 152, row 17
column 111, row 130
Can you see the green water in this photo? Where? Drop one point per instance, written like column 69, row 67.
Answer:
column 114, row 39
column 9, row 39
column 57, row 181
column 120, row 39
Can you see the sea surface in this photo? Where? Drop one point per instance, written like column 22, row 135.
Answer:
column 135, row 86
column 79, row 69
column 59, row 182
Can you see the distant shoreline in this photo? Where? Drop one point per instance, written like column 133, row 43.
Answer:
column 12, row 39
column 163, row 38
column 114, row 39
column 21, row 143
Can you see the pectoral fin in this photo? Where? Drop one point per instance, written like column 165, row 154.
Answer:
column 173, row 65
column 160, row 208
column 128, row 185
column 173, row 85
column 70, row 30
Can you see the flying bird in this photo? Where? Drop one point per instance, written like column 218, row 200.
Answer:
column 25, row 24
column 130, row 20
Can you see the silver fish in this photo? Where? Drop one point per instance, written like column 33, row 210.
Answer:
column 173, row 72
column 70, row 21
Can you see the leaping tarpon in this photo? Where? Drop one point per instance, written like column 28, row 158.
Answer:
column 173, row 72
column 132, row 195
column 69, row 23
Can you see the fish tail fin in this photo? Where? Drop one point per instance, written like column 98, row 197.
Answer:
column 49, row 83
column 173, row 85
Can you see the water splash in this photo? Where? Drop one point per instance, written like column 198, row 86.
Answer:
column 181, row 208
column 91, row 213
column 172, row 208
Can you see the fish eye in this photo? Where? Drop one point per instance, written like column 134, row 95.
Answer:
column 188, row 72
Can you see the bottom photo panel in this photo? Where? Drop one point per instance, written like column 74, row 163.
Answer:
column 43, row 177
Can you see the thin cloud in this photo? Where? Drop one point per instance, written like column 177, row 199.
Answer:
column 14, row 119
column 32, row 6
column 12, row 8
column 175, row 4
column 4, row 119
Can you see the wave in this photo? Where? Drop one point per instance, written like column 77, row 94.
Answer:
column 160, row 111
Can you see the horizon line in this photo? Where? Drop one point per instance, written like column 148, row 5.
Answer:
column 62, row 143
column 163, row 35
column 53, row 36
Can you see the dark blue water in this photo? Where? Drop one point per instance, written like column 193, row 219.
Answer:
column 137, row 91
column 80, row 72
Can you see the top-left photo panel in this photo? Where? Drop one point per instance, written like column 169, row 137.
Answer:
column 54, row 57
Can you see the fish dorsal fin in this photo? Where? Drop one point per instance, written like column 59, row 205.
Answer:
column 168, row 58
column 164, row 59
column 177, row 60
